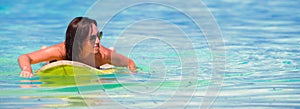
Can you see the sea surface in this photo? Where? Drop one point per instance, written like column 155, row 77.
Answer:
column 257, row 43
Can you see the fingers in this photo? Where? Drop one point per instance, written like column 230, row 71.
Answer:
column 132, row 69
column 26, row 74
column 30, row 75
column 23, row 74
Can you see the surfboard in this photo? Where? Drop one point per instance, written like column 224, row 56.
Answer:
column 67, row 68
column 69, row 73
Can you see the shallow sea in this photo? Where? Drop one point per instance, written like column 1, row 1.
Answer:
column 173, row 54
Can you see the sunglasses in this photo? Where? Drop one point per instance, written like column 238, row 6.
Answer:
column 93, row 37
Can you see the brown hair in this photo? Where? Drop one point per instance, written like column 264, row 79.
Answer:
column 76, row 33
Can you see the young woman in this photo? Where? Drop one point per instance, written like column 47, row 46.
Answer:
column 82, row 44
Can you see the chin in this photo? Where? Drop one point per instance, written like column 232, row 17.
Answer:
column 96, row 51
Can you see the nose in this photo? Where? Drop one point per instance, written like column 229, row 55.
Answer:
column 97, row 40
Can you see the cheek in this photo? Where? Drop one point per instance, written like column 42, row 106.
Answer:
column 87, row 46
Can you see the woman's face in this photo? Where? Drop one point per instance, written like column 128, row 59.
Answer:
column 92, row 42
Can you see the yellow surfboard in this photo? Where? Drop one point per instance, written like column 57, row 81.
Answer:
column 69, row 73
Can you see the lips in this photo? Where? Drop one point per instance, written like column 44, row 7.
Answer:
column 96, row 48
column 96, row 45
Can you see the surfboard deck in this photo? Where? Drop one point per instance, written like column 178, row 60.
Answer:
column 69, row 73
column 68, row 68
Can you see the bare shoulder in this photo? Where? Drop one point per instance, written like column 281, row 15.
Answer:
column 61, row 48
column 102, row 48
column 56, row 49
column 104, row 51
column 55, row 52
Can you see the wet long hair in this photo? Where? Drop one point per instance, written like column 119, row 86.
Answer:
column 76, row 34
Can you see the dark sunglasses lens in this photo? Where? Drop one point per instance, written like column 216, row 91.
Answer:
column 100, row 35
column 93, row 38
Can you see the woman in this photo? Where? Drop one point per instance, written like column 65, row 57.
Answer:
column 82, row 44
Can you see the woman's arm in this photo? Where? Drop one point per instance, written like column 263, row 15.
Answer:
column 117, row 59
column 24, row 63
column 55, row 52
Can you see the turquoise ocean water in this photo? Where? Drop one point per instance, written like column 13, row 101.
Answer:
column 262, row 56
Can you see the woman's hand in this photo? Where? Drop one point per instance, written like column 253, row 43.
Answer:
column 132, row 67
column 55, row 52
column 26, row 73
column 113, row 58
